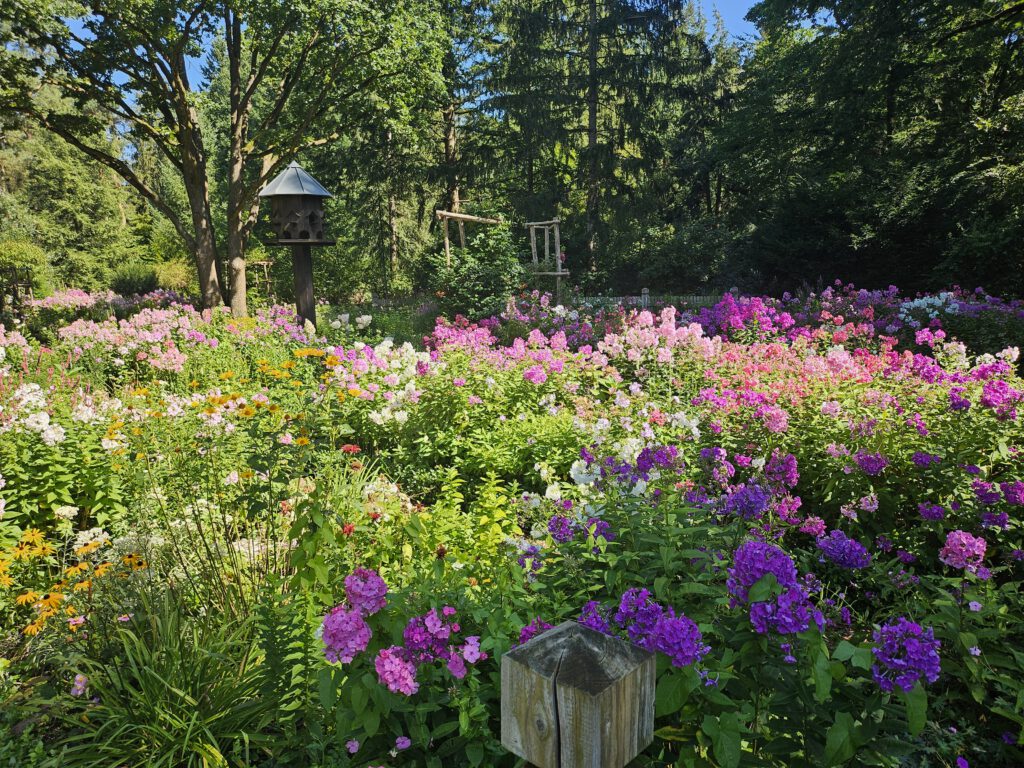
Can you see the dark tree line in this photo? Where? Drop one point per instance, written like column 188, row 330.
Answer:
column 876, row 141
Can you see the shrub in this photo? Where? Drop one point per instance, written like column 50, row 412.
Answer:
column 21, row 254
column 480, row 278
column 174, row 275
column 134, row 279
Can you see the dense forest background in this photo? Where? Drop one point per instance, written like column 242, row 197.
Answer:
column 877, row 141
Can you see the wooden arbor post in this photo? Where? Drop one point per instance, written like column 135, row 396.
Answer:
column 460, row 219
column 550, row 228
column 575, row 698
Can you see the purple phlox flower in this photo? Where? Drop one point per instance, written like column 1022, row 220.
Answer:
column 366, row 591
column 905, row 653
column 352, row 746
column 345, row 634
column 638, row 613
column 930, row 511
column 1013, row 492
column 753, row 560
column 561, row 528
column 403, row 742
column 530, row 558
column 789, row 613
column 599, row 529
column 999, row 520
column 678, row 638
column 844, row 551
column 871, row 463
column 595, row 616
column 748, row 501
column 536, row 627
column 922, row 459
column 986, row 493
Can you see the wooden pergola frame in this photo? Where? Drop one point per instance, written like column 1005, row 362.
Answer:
column 461, row 219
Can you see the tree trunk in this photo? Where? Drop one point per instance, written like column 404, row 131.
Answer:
column 198, row 193
column 451, row 157
column 236, row 172
column 593, row 181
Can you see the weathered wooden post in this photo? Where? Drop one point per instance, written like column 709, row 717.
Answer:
column 575, row 698
column 297, row 216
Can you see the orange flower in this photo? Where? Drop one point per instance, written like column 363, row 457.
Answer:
column 44, row 549
column 51, row 600
column 74, row 570
column 33, row 628
column 131, row 560
column 348, row 529
column 302, row 441
column 32, row 536
column 350, row 448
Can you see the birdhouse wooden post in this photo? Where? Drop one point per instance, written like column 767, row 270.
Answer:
column 575, row 698
column 297, row 217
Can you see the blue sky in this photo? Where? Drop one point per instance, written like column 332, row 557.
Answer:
column 732, row 13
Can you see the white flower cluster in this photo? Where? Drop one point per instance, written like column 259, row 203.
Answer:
column 931, row 306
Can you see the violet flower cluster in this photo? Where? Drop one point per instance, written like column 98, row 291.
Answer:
column 905, row 653
column 564, row 529
column 427, row 638
column 787, row 613
column 844, row 551
column 649, row 625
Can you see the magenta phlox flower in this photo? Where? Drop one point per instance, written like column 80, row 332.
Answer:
column 962, row 550
column 536, row 627
column 396, row 671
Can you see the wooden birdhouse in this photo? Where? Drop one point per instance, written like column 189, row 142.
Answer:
column 296, row 207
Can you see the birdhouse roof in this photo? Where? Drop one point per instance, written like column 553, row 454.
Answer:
column 294, row 180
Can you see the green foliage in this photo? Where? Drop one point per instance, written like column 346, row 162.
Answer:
column 173, row 276
column 23, row 254
column 134, row 279
column 172, row 689
column 481, row 277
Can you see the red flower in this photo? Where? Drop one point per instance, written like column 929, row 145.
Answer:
column 375, row 515
column 348, row 529
column 350, row 448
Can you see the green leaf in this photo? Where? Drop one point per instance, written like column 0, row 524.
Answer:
column 475, row 753
column 839, row 746
column 763, row 590
column 672, row 692
column 725, row 738
column 917, row 708
column 821, row 672
column 358, row 699
column 328, row 690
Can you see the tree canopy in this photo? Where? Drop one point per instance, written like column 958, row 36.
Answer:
column 870, row 140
